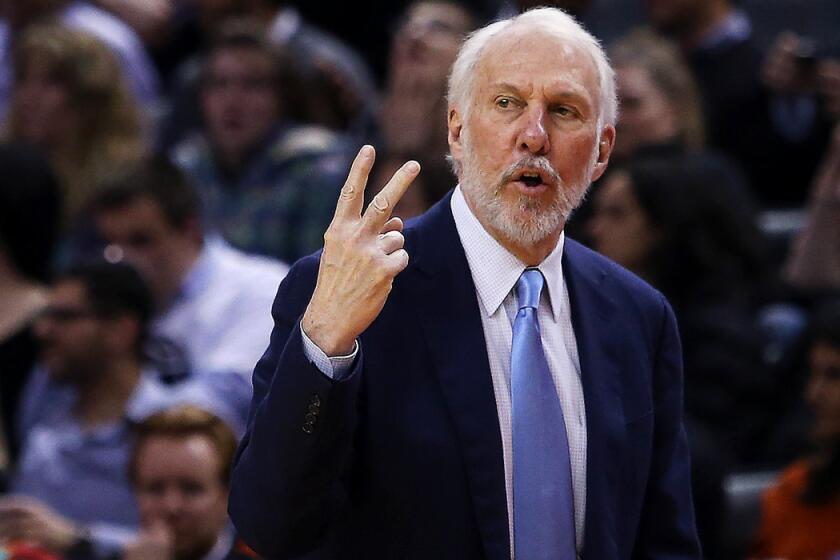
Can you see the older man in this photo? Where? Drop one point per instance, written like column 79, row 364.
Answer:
column 508, row 393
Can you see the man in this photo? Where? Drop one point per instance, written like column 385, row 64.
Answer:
column 268, row 187
column 210, row 298
column 405, row 440
column 180, row 471
column 71, row 482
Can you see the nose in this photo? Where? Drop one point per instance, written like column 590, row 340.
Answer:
column 172, row 501
column 533, row 137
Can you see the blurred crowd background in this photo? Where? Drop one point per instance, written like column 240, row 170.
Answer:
column 163, row 162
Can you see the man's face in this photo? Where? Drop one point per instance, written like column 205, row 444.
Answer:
column 72, row 336
column 824, row 391
column 529, row 144
column 178, row 485
column 427, row 41
column 162, row 252
column 239, row 100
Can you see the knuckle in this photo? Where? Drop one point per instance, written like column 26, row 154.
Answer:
column 380, row 203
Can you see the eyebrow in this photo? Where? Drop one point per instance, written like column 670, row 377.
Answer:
column 565, row 94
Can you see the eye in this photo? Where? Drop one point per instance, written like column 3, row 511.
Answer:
column 504, row 102
column 563, row 111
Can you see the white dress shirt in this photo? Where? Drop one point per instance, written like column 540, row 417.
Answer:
column 221, row 316
column 495, row 272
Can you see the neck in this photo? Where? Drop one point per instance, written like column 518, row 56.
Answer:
column 186, row 263
column 530, row 254
column 103, row 400
column 704, row 24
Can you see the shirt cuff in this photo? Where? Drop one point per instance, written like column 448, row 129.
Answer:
column 335, row 367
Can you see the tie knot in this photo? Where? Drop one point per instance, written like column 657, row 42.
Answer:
column 528, row 288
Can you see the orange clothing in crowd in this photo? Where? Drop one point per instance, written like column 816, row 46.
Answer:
column 793, row 530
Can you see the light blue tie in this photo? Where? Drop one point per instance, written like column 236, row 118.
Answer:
column 543, row 506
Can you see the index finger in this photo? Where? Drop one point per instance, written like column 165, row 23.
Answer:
column 353, row 192
column 380, row 208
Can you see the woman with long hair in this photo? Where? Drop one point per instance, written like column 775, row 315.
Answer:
column 69, row 100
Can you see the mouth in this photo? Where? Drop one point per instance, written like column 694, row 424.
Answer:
column 531, row 181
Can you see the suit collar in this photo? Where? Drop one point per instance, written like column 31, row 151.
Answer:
column 598, row 335
column 455, row 336
column 454, row 333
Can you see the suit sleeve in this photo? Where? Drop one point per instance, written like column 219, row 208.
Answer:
column 286, row 485
column 667, row 528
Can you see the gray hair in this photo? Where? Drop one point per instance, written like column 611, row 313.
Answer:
column 556, row 22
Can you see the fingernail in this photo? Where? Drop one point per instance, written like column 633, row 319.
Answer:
column 412, row 167
column 367, row 150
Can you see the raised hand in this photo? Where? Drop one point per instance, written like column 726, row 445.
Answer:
column 363, row 253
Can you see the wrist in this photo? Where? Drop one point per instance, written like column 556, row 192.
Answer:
column 323, row 337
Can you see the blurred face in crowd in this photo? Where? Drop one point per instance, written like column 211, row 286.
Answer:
column 44, row 116
column 178, row 483
column 428, row 40
column 823, row 390
column 646, row 116
column 162, row 251
column 239, row 101
column 619, row 227
column 529, row 145
column 73, row 338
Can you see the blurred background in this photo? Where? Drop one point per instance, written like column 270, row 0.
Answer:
column 163, row 162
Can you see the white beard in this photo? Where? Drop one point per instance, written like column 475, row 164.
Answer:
column 530, row 220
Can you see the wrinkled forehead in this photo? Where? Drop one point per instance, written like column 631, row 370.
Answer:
column 539, row 53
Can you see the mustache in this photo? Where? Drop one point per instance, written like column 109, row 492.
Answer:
column 532, row 162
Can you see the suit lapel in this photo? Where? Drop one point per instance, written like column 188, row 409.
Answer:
column 449, row 312
column 595, row 331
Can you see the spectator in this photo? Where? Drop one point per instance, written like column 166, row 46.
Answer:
column 69, row 101
column 30, row 206
column 180, row 472
column 778, row 156
column 324, row 81
column 71, row 479
column 684, row 225
column 78, row 15
column 268, row 187
column 801, row 513
column 413, row 116
column 660, row 104
column 211, row 300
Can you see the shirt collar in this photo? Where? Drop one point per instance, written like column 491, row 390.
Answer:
column 198, row 278
column 494, row 269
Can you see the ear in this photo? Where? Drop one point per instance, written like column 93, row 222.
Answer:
column 605, row 147
column 454, row 125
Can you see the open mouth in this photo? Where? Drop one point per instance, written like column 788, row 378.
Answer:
column 531, row 179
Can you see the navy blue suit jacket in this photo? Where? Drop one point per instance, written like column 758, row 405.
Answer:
column 403, row 457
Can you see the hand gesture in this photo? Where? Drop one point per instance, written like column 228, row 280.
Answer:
column 155, row 542
column 363, row 253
